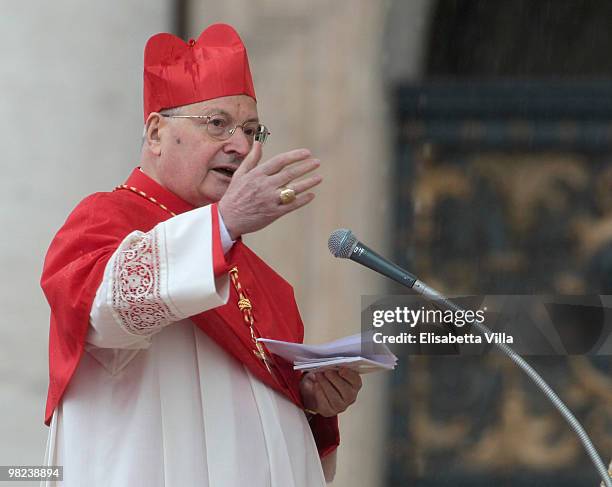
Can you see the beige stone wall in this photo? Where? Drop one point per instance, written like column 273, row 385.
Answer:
column 71, row 81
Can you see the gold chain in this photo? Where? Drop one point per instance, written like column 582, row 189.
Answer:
column 244, row 304
column 146, row 196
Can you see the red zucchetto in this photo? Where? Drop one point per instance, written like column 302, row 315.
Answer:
column 179, row 73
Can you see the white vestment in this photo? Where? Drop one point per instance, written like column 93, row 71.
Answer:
column 154, row 401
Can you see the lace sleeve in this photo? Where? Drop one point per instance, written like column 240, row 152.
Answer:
column 154, row 279
column 136, row 286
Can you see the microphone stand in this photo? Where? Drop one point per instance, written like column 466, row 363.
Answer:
column 440, row 300
column 343, row 244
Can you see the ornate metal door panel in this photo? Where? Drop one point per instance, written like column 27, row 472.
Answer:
column 502, row 188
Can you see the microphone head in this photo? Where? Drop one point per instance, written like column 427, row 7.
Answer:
column 341, row 243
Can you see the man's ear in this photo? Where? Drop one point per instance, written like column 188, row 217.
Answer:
column 152, row 133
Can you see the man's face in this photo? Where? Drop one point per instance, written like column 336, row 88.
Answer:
column 192, row 164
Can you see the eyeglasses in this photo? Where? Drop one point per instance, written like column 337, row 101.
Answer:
column 219, row 127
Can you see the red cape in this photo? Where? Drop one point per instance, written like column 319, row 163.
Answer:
column 74, row 267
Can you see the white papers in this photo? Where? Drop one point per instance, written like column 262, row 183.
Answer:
column 358, row 352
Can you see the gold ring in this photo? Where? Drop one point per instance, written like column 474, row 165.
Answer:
column 287, row 195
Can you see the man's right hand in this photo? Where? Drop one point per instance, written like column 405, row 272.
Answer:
column 252, row 200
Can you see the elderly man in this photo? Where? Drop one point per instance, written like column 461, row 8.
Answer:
column 156, row 374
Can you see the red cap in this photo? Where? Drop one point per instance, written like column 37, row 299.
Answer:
column 177, row 73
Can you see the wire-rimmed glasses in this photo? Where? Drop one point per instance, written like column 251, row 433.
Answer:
column 219, row 127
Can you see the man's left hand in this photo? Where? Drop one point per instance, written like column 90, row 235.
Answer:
column 330, row 392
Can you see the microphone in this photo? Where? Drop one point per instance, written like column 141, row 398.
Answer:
column 343, row 244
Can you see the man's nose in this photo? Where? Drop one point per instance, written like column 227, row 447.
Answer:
column 238, row 142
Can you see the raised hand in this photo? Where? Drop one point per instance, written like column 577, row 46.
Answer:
column 252, row 200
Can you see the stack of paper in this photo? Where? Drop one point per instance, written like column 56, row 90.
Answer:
column 358, row 352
